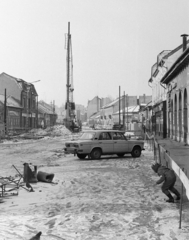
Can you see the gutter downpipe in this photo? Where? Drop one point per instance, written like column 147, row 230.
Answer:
column 162, row 85
column 149, row 83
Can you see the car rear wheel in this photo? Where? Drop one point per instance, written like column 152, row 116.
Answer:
column 96, row 153
column 120, row 154
column 81, row 156
column 136, row 152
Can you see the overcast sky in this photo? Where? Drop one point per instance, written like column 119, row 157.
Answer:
column 114, row 42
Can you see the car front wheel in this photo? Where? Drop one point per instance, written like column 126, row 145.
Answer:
column 96, row 153
column 81, row 156
column 136, row 152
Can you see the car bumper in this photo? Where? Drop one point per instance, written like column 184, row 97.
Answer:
column 73, row 151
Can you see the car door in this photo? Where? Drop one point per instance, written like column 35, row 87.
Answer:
column 106, row 142
column 120, row 142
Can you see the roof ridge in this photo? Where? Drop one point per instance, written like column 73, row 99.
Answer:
column 175, row 50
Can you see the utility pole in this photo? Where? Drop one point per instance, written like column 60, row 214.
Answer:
column 119, row 105
column 127, row 110
column 53, row 112
column 37, row 112
column 124, row 110
column 5, row 111
column 27, row 107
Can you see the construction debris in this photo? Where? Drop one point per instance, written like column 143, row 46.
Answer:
column 36, row 237
column 45, row 177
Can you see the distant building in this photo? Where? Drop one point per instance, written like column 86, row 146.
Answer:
column 46, row 114
column 25, row 94
column 105, row 101
column 144, row 99
column 61, row 113
column 93, row 106
column 80, row 113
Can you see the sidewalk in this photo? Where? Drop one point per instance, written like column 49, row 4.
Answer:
column 178, row 152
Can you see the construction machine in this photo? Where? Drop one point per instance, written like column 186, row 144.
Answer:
column 70, row 119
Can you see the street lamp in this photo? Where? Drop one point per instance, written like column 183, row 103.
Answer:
column 35, row 81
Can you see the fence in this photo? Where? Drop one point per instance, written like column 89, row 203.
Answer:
column 163, row 157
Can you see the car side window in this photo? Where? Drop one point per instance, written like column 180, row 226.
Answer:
column 105, row 136
column 118, row 136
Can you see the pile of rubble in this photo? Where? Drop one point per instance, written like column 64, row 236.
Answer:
column 58, row 130
column 37, row 133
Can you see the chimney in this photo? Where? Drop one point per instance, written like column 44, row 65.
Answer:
column 184, row 37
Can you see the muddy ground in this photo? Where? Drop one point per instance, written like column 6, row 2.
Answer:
column 112, row 198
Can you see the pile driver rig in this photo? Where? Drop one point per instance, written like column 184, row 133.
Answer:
column 70, row 120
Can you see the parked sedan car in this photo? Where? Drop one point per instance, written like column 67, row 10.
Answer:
column 94, row 143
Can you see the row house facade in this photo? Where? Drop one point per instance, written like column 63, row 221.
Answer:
column 176, row 81
column 25, row 94
column 47, row 116
column 13, row 113
column 165, row 60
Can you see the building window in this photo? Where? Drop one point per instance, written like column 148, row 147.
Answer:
column 29, row 103
column 24, row 102
column 33, row 104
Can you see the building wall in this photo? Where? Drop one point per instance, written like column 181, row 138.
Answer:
column 132, row 100
column 178, row 102
column 159, row 93
column 105, row 101
column 13, row 118
column 145, row 99
column 10, row 85
column 93, row 106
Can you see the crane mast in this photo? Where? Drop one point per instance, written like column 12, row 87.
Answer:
column 69, row 121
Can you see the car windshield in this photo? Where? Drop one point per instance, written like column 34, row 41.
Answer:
column 87, row 136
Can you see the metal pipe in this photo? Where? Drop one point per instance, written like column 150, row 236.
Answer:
column 181, row 200
column 184, row 37
column 149, row 84
column 37, row 113
column 5, row 111
column 119, row 105
column 124, row 110
column 162, row 85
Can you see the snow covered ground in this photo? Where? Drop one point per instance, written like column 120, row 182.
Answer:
column 112, row 198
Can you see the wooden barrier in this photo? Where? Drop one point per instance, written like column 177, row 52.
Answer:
column 163, row 157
